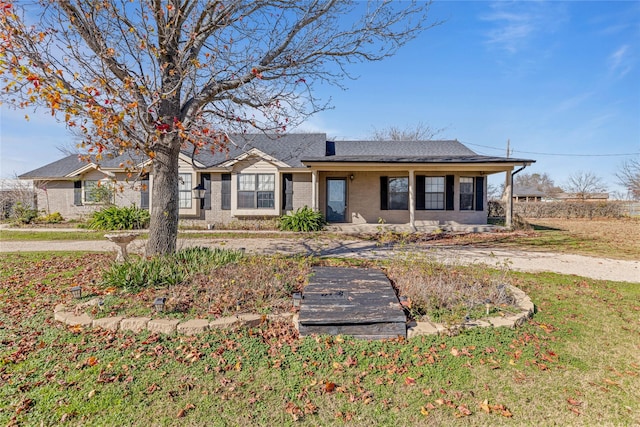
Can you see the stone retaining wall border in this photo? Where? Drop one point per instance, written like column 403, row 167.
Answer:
column 198, row 326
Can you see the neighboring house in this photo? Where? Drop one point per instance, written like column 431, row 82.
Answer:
column 13, row 192
column 259, row 176
column 582, row 197
column 527, row 194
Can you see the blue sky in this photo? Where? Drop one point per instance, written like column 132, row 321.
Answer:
column 560, row 80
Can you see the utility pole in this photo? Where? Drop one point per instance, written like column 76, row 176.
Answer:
column 508, row 193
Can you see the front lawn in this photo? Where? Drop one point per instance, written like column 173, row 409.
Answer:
column 575, row 363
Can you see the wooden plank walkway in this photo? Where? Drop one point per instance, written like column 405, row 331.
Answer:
column 351, row 301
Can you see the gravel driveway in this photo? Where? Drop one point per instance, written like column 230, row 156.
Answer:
column 579, row 265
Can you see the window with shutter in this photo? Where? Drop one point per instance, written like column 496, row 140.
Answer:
column 225, row 192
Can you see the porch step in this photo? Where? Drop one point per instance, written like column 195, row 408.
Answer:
column 351, row 301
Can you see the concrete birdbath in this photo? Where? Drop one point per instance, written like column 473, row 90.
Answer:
column 122, row 240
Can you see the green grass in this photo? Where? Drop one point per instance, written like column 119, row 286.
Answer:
column 18, row 235
column 575, row 363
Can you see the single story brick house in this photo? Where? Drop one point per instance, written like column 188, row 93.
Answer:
column 261, row 176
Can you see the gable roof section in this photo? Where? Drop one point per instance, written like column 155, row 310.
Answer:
column 288, row 149
column 58, row 169
column 72, row 166
column 254, row 152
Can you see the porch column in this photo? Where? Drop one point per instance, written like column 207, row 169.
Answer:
column 314, row 190
column 412, row 199
column 508, row 194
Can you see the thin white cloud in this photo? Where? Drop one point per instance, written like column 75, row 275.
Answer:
column 620, row 61
column 572, row 102
column 515, row 24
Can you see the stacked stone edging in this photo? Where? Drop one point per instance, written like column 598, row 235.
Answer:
column 198, row 326
column 522, row 301
column 159, row 325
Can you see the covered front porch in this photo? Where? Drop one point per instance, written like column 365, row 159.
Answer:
column 404, row 197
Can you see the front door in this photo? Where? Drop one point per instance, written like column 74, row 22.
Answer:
column 336, row 199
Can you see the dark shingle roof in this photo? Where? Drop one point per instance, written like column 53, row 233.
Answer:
column 297, row 149
column 402, row 148
column 57, row 169
column 67, row 165
column 289, row 148
column 446, row 151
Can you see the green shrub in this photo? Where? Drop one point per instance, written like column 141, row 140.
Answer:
column 303, row 219
column 167, row 270
column 116, row 218
column 52, row 218
column 24, row 214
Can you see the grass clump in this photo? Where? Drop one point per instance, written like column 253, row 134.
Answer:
column 449, row 293
column 120, row 218
column 168, row 270
column 303, row 219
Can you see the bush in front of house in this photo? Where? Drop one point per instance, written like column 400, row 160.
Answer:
column 303, row 219
column 24, row 214
column 120, row 218
column 52, row 218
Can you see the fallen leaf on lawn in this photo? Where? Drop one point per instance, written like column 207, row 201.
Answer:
column 91, row 394
column 574, row 410
column 350, row 361
column 455, row 352
column 424, row 411
column 182, row 412
column 409, row 381
column 485, row 406
column 610, row 382
column 329, row 386
column 573, row 401
column 463, row 411
column 24, row 406
column 440, row 401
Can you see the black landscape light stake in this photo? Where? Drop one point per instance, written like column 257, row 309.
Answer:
column 158, row 304
column 76, row 292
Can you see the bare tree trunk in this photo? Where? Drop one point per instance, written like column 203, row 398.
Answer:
column 163, row 228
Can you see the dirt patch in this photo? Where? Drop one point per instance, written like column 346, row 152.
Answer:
column 615, row 236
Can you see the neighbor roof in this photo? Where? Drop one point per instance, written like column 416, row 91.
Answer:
column 527, row 191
